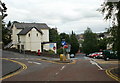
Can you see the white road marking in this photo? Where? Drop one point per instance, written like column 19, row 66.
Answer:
column 56, row 73
column 99, row 67
column 62, row 67
column 93, row 62
column 34, row 62
column 30, row 62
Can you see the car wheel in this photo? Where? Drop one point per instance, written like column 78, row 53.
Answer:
column 107, row 59
column 94, row 57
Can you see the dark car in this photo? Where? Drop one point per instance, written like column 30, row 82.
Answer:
column 109, row 54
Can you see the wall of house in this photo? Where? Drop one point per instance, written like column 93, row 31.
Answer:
column 45, row 36
column 33, row 41
column 22, row 41
column 14, row 36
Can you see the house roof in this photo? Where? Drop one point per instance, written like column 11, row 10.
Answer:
column 26, row 30
column 25, row 25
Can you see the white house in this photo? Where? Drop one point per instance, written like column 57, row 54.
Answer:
column 29, row 36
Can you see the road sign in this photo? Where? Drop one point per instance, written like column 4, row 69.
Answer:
column 65, row 46
column 63, row 43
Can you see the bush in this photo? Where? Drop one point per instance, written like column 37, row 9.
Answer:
column 51, row 52
column 60, row 51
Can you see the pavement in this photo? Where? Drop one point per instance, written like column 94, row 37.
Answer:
column 13, row 67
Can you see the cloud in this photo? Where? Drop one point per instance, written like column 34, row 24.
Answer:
column 73, row 14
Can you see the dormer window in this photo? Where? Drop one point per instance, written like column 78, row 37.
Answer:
column 29, row 35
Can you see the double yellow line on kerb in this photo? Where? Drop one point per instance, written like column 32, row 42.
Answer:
column 10, row 75
column 108, row 72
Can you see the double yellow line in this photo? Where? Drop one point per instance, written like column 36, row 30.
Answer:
column 108, row 72
column 23, row 68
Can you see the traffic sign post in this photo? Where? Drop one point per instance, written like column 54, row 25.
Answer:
column 63, row 43
column 66, row 49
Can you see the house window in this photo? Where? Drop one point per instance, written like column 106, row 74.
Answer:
column 37, row 34
column 29, row 35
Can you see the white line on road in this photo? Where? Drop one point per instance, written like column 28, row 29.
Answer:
column 62, row 67
column 99, row 66
column 34, row 62
column 93, row 62
column 30, row 62
column 56, row 73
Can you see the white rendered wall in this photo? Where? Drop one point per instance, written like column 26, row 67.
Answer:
column 33, row 42
column 14, row 36
column 45, row 36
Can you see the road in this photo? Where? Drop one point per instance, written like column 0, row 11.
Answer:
column 84, row 69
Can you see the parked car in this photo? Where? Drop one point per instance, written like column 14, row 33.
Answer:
column 89, row 54
column 99, row 56
column 109, row 54
column 94, row 55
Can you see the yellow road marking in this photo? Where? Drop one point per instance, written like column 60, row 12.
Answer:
column 108, row 71
column 23, row 68
column 74, row 61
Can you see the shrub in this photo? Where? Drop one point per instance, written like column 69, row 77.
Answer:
column 60, row 51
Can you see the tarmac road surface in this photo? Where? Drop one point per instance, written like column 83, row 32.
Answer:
column 84, row 69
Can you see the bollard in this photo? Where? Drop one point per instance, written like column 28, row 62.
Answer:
column 68, row 56
column 64, row 58
column 61, row 57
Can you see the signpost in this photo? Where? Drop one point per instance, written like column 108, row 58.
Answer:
column 66, row 49
column 63, row 43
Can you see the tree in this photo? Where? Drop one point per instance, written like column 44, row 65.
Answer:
column 54, row 36
column 3, row 9
column 112, row 11
column 102, row 43
column 5, row 32
column 65, row 36
column 6, row 37
column 74, row 43
column 90, row 42
column 9, row 24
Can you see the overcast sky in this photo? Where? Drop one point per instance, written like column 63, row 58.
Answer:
column 66, row 15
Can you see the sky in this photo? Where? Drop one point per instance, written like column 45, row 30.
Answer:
column 65, row 15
